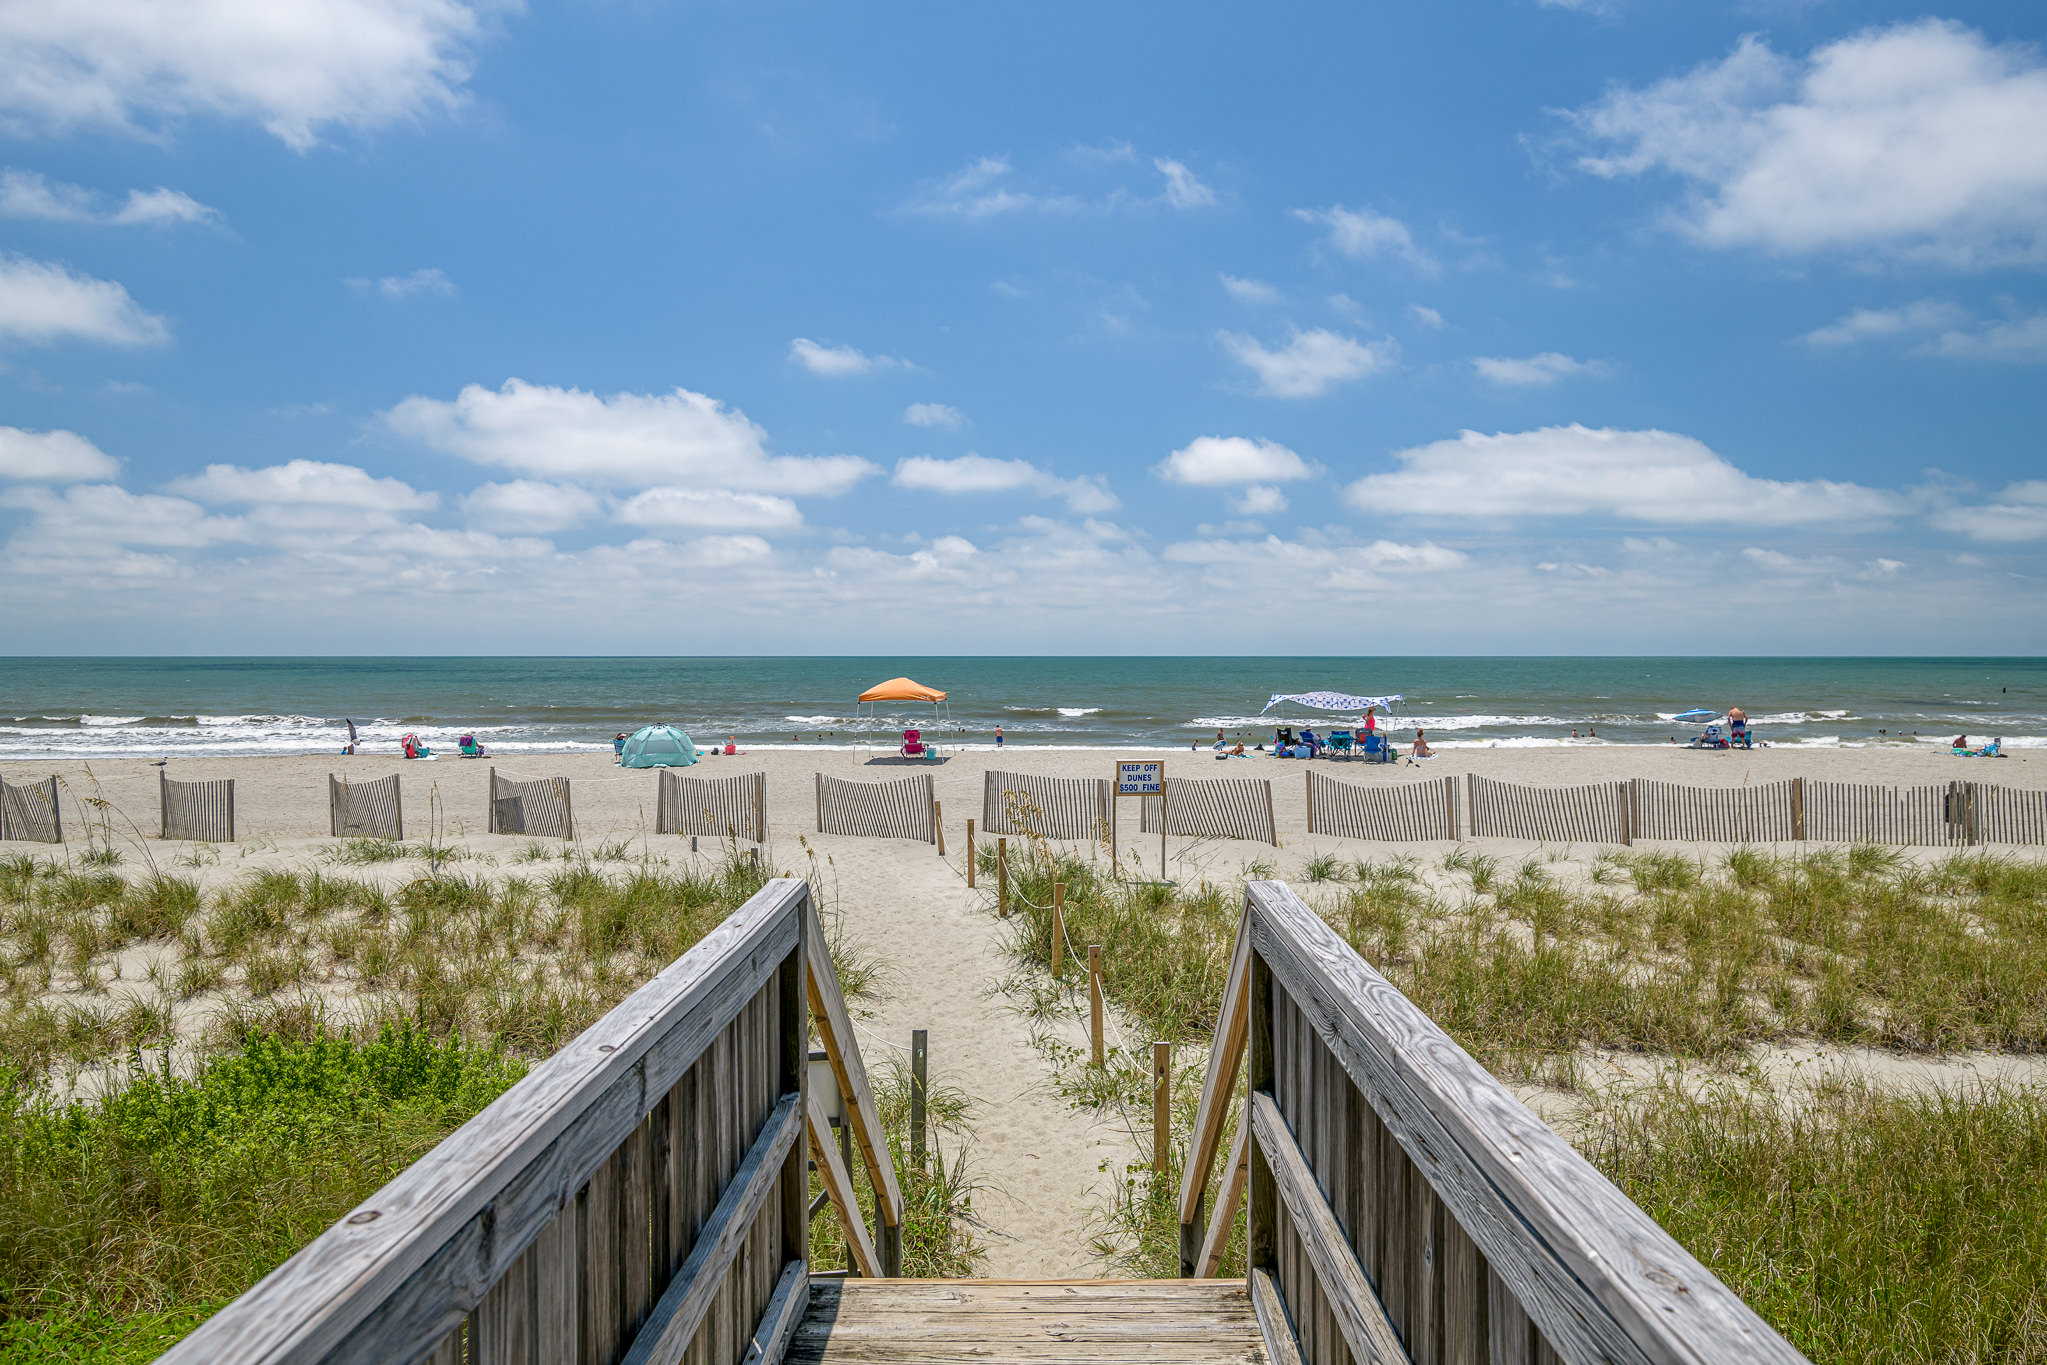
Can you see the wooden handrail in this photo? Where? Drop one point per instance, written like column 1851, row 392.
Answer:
column 570, row 1199
column 835, row 1031
column 1216, row 1090
column 1529, row 1236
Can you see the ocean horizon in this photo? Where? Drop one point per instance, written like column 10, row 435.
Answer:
column 89, row 707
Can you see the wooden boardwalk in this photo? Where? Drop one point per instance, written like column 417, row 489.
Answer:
column 1206, row 1322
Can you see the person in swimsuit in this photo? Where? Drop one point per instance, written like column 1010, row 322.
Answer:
column 1421, row 746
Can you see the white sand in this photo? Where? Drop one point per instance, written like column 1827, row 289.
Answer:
column 1041, row 1161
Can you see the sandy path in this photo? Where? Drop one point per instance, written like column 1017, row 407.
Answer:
column 1039, row 1159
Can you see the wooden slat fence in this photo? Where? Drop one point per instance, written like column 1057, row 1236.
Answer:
column 1714, row 815
column 1858, row 813
column 1053, row 807
column 196, row 810
column 2008, row 815
column 1214, row 808
column 1592, row 814
column 540, row 807
column 733, row 807
column 29, row 812
column 1403, row 1206
column 640, row 1197
column 365, row 810
column 902, row 809
column 1398, row 811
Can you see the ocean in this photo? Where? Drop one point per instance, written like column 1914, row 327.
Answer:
column 102, row 707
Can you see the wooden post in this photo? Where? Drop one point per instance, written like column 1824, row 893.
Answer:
column 1627, row 800
column 970, row 854
column 938, row 824
column 1162, row 831
column 919, row 1046
column 1261, row 1221
column 1271, row 825
column 1058, row 925
column 1309, row 777
column 1002, row 877
column 1969, row 813
column 1094, row 1002
column 760, row 807
column 163, row 805
column 820, row 802
column 1161, row 1108
column 568, row 812
column 230, row 809
column 491, row 818
column 398, row 807
column 1450, row 803
column 1798, row 808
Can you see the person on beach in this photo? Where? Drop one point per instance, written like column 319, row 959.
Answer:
column 618, row 747
column 1220, row 742
column 998, row 736
column 731, row 744
column 1737, row 726
column 1421, row 746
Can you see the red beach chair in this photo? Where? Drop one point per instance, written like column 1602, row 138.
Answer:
column 913, row 745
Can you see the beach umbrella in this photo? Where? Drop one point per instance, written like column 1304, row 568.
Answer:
column 1695, row 716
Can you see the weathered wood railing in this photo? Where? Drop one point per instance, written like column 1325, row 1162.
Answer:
column 641, row 1196
column 1402, row 1205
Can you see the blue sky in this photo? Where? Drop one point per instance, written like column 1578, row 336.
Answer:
column 446, row 325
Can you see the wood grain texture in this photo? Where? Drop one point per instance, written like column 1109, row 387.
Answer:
column 1270, row 1308
column 1218, row 1235
column 838, row 1187
column 1207, row 1322
column 778, row 1323
column 405, row 1267
column 1218, row 1085
column 689, row 1296
column 1594, row 1272
column 842, row 1047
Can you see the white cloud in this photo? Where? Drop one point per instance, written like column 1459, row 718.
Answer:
column 838, row 361
column 1426, row 317
column 303, row 482
column 2022, row 340
column 1311, row 363
column 940, row 415
column 52, row 457
column 709, row 509
column 1184, row 189
column 1961, row 335
column 1922, row 138
column 1363, row 235
column 1224, row 461
column 1648, row 476
column 1087, row 495
column 1866, row 324
column 1537, row 371
column 530, row 505
column 1258, row 500
column 101, row 515
column 30, row 194
column 627, row 439
column 42, row 302
column 981, row 190
column 136, row 65
column 398, row 288
column 1251, row 291
column 2016, row 514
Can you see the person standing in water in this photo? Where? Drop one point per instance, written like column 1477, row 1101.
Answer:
column 998, row 736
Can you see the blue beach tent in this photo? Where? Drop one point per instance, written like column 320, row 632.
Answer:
column 658, row 746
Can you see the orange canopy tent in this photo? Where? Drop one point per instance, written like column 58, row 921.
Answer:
column 902, row 689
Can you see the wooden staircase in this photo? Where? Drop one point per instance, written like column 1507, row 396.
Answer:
column 643, row 1198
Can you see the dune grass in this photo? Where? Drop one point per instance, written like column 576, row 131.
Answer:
column 1869, row 1226
column 126, row 1219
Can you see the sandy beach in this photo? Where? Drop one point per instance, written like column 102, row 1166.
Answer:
column 1045, row 1166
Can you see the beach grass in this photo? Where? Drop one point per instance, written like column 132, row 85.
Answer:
column 1866, row 1225
column 126, row 1218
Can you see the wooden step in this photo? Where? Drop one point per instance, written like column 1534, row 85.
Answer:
column 1207, row 1322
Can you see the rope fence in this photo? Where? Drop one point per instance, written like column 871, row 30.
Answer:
column 29, row 812
column 540, row 808
column 365, row 810
column 903, row 809
column 733, row 807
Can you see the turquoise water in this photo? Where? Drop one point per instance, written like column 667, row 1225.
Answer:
column 151, row 707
